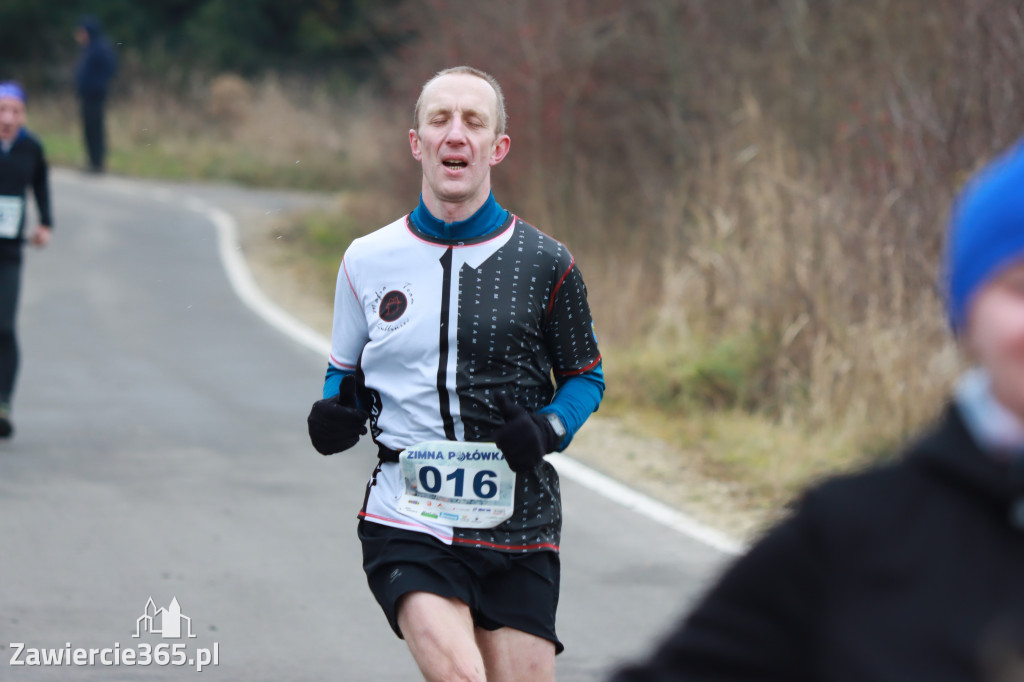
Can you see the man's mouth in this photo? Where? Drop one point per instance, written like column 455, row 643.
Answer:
column 454, row 165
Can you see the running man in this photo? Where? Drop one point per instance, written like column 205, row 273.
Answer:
column 22, row 165
column 448, row 325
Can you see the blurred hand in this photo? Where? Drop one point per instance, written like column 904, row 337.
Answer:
column 41, row 236
column 335, row 424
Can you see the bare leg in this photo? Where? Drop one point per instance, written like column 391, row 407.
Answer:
column 515, row 656
column 439, row 632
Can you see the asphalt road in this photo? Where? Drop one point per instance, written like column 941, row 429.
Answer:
column 160, row 452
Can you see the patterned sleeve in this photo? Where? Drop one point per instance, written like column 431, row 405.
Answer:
column 350, row 331
column 570, row 329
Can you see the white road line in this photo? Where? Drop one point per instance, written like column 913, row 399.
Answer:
column 245, row 286
column 642, row 504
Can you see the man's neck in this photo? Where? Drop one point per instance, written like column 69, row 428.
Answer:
column 453, row 212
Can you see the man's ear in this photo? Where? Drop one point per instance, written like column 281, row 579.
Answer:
column 414, row 145
column 501, row 146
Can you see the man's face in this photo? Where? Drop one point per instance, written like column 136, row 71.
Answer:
column 12, row 117
column 456, row 143
column 995, row 335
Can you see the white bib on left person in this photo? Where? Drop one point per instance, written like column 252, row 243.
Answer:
column 11, row 211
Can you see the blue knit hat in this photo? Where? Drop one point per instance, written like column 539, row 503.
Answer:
column 12, row 90
column 986, row 232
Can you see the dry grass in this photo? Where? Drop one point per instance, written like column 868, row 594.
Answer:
column 267, row 134
column 793, row 335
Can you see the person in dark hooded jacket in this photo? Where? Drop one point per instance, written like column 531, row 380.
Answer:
column 97, row 64
column 912, row 570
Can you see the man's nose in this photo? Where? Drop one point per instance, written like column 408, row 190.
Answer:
column 457, row 133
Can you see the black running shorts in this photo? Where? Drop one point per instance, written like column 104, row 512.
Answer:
column 502, row 589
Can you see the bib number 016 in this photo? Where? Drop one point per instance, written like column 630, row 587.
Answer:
column 433, row 481
column 458, row 484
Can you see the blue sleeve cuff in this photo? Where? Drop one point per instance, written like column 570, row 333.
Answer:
column 575, row 400
column 332, row 380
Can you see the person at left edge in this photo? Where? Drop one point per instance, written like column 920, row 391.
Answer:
column 22, row 165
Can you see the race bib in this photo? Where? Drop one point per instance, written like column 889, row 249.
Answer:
column 464, row 485
column 11, row 209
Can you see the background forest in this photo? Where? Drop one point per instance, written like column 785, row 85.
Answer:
column 756, row 190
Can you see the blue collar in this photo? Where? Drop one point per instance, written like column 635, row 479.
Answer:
column 488, row 218
column 995, row 428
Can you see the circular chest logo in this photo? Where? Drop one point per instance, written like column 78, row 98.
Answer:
column 392, row 306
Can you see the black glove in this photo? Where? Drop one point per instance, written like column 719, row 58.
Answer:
column 525, row 437
column 335, row 424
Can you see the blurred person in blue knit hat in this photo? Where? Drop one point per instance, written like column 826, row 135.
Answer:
column 22, row 166
column 96, row 66
column 912, row 570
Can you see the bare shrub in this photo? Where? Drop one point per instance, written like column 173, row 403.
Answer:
column 230, row 99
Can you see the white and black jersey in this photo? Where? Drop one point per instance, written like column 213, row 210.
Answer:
column 437, row 329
